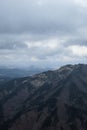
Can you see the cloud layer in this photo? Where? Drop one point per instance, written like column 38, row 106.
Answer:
column 43, row 32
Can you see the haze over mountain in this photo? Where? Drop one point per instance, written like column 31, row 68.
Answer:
column 52, row 100
column 20, row 72
column 7, row 73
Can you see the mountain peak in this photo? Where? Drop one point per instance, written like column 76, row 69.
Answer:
column 69, row 68
column 47, row 101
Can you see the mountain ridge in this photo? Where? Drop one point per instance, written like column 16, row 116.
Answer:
column 47, row 101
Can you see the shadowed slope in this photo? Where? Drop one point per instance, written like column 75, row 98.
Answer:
column 47, row 101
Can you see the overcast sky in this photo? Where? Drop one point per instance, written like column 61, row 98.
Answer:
column 45, row 33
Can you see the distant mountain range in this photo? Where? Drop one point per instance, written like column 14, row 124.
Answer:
column 9, row 73
column 52, row 100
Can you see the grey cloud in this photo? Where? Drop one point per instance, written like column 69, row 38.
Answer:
column 34, row 21
column 28, row 16
column 79, row 42
column 76, row 41
column 4, row 44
